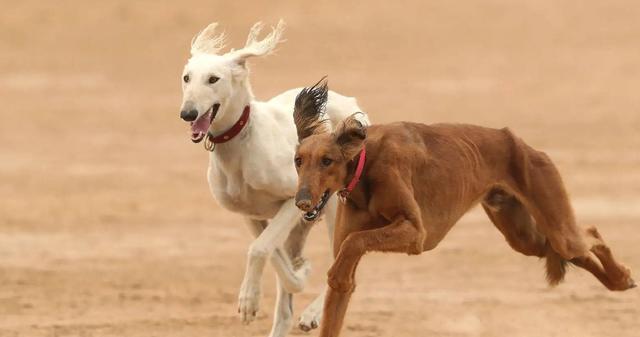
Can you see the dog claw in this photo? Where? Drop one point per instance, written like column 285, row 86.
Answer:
column 310, row 317
column 304, row 327
column 248, row 302
column 308, row 327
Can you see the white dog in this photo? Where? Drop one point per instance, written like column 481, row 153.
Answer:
column 251, row 169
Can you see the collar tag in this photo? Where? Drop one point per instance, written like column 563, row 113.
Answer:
column 231, row 133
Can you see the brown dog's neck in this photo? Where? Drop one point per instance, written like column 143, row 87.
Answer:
column 358, row 195
column 351, row 169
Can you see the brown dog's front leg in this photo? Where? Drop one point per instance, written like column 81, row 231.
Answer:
column 399, row 236
column 335, row 308
column 338, row 295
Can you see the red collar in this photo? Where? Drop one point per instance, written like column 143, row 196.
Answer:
column 343, row 193
column 234, row 130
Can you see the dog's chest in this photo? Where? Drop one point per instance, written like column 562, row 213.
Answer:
column 235, row 193
column 254, row 174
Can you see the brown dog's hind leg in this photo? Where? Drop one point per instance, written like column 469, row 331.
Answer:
column 538, row 185
column 569, row 242
column 618, row 276
column 519, row 229
column 514, row 222
column 590, row 263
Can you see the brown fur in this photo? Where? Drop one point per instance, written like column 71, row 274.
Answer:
column 420, row 179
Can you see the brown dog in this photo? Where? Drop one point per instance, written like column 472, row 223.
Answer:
column 418, row 180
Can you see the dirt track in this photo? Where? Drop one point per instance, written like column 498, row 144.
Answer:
column 107, row 227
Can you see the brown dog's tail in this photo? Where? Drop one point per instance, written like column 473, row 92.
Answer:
column 556, row 267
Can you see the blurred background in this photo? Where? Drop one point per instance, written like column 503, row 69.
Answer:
column 107, row 227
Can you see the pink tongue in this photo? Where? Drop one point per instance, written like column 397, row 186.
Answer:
column 201, row 125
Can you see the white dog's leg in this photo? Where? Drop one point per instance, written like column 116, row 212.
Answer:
column 291, row 278
column 269, row 240
column 283, row 312
column 311, row 316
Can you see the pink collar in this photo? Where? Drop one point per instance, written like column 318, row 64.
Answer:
column 343, row 193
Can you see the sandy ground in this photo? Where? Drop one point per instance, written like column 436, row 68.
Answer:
column 107, row 227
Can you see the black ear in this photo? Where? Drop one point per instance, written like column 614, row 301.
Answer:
column 350, row 136
column 309, row 108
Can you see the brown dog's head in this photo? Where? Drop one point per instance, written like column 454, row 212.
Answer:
column 322, row 157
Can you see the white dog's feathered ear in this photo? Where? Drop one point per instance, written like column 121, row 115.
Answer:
column 207, row 41
column 255, row 47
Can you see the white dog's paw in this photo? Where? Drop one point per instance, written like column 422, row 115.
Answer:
column 312, row 314
column 310, row 318
column 248, row 302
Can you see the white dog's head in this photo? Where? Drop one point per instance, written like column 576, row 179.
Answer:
column 210, row 80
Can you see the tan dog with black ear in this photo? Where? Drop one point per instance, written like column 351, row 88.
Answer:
column 404, row 186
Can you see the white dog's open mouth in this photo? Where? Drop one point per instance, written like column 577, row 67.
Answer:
column 200, row 126
column 315, row 212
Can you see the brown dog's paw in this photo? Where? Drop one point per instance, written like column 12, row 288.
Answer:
column 628, row 282
column 625, row 284
column 416, row 248
column 624, row 280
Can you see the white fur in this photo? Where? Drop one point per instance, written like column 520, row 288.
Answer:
column 207, row 41
column 253, row 174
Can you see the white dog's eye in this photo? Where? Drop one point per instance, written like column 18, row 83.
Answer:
column 213, row 79
column 185, row 78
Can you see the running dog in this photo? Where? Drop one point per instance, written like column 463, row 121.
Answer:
column 251, row 144
column 404, row 185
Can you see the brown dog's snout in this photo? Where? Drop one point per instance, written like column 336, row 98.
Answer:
column 303, row 199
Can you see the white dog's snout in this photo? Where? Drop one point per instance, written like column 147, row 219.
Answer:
column 188, row 112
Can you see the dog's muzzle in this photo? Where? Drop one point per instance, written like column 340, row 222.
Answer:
column 303, row 199
column 199, row 126
column 303, row 202
column 189, row 115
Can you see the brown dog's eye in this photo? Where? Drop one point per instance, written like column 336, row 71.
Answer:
column 326, row 161
column 213, row 79
column 185, row 78
column 298, row 162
